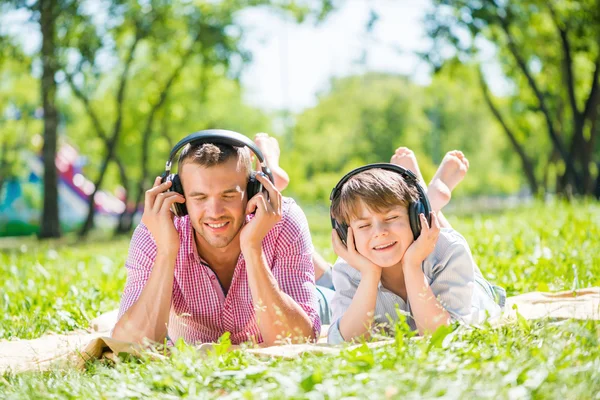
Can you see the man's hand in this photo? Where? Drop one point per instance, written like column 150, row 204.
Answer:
column 352, row 256
column 158, row 216
column 267, row 214
column 418, row 251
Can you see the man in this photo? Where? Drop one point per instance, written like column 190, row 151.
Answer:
column 232, row 264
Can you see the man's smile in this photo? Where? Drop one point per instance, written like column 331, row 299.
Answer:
column 217, row 226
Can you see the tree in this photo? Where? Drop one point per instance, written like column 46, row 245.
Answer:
column 59, row 21
column 550, row 52
column 162, row 40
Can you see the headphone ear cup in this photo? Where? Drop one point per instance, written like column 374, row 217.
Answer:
column 414, row 210
column 254, row 186
column 342, row 231
column 179, row 209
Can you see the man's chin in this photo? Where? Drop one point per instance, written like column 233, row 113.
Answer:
column 217, row 241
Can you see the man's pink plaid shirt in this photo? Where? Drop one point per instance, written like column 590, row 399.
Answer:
column 200, row 310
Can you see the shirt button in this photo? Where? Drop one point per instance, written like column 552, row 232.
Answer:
column 212, row 277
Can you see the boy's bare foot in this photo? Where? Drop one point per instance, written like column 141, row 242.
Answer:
column 451, row 171
column 269, row 147
column 405, row 157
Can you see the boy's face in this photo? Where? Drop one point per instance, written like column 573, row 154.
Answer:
column 382, row 237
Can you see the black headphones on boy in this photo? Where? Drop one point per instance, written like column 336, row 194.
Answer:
column 414, row 209
column 215, row 136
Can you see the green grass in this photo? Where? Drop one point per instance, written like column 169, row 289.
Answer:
column 58, row 287
column 541, row 247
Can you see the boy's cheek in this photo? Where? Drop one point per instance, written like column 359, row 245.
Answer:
column 361, row 244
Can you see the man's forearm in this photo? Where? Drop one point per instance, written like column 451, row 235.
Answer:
column 358, row 318
column 427, row 311
column 149, row 315
column 277, row 314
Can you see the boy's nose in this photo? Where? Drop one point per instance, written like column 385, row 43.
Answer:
column 380, row 230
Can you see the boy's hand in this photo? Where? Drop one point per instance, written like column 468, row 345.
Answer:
column 418, row 251
column 352, row 256
column 158, row 216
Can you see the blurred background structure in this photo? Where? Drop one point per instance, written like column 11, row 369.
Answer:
column 93, row 94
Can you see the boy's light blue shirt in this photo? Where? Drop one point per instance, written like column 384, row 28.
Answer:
column 453, row 277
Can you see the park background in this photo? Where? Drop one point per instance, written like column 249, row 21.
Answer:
column 514, row 84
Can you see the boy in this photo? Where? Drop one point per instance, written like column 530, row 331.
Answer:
column 433, row 279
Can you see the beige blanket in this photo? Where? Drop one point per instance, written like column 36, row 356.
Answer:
column 78, row 347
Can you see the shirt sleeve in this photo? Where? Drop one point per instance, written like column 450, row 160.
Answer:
column 292, row 265
column 452, row 279
column 141, row 257
column 345, row 289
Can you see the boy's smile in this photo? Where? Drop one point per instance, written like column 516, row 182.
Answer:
column 382, row 237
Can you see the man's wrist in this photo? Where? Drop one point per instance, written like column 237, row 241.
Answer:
column 251, row 249
column 167, row 253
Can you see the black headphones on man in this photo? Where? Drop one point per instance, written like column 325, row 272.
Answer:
column 215, row 136
column 414, row 209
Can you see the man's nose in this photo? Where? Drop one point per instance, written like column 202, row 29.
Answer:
column 215, row 207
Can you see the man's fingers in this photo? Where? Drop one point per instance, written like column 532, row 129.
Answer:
column 160, row 199
column 255, row 203
column 170, row 200
column 274, row 194
column 151, row 194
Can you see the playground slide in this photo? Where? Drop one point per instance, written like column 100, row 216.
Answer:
column 21, row 200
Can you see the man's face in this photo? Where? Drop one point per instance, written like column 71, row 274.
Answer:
column 383, row 238
column 215, row 198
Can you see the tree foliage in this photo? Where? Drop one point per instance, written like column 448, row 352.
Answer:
column 363, row 119
column 550, row 53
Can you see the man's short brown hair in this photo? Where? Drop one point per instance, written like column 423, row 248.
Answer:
column 379, row 190
column 211, row 154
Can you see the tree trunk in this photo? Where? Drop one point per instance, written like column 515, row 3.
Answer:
column 570, row 169
column 126, row 217
column 49, row 224
column 525, row 161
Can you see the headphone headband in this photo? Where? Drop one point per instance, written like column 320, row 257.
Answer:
column 387, row 166
column 219, row 136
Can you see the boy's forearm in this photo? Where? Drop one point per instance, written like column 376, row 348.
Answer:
column 149, row 315
column 358, row 318
column 427, row 311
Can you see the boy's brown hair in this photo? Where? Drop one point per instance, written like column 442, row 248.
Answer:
column 379, row 190
column 211, row 154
